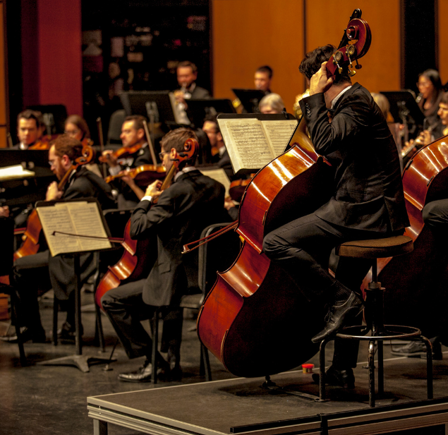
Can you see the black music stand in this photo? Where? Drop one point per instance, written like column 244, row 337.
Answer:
column 78, row 359
column 250, row 98
column 405, row 110
column 18, row 191
column 199, row 109
column 135, row 103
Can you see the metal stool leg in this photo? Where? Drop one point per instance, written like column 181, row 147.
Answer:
column 372, row 373
column 429, row 383
column 323, row 343
column 380, row 362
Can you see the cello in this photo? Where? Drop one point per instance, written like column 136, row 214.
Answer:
column 255, row 312
column 139, row 255
column 31, row 236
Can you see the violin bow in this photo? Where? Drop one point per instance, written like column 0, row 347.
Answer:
column 101, row 140
column 150, row 144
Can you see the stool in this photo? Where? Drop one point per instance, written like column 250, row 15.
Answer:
column 374, row 313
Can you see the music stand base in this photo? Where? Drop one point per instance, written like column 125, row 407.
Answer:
column 80, row 361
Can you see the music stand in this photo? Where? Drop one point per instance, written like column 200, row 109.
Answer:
column 405, row 110
column 135, row 103
column 249, row 98
column 199, row 109
column 15, row 191
column 90, row 210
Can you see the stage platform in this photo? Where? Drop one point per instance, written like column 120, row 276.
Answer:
column 245, row 406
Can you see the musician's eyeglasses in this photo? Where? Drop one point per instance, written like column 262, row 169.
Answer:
column 423, row 84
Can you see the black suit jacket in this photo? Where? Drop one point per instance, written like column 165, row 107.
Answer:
column 84, row 185
column 189, row 205
column 199, row 93
column 367, row 191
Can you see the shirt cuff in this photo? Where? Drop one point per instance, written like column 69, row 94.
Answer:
column 147, row 198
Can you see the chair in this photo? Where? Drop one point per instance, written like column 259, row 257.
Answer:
column 376, row 331
column 115, row 123
column 58, row 113
column 216, row 255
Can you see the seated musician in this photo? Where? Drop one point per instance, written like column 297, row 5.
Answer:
column 439, row 128
column 367, row 202
column 263, row 79
column 133, row 138
column 182, row 211
column 221, row 156
column 76, row 126
column 271, row 103
column 38, row 273
column 29, row 129
column 187, row 74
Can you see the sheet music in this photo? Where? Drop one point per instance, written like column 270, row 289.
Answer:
column 13, row 172
column 246, row 143
column 279, row 133
column 252, row 143
column 78, row 218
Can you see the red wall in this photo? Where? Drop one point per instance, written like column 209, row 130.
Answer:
column 52, row 62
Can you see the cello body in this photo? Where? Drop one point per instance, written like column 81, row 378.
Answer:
column 415, row 284
column 259, row 323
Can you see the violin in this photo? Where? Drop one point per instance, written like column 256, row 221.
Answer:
column 139, row 255
column 142, row 175
column 31, row 236
column 43, row 143
column 122, row 153
column 254, row 310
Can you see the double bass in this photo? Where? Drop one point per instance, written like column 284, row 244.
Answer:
column 417, row 281
column 139, row 255
column 255, row 320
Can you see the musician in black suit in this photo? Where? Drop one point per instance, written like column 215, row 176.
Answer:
column 182, row 211
column 29, row 128
column 38, row 273
column 133, row 137
column 348, row 129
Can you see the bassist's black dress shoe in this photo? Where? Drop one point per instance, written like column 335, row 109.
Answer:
column 338, row 314
column 340, row 378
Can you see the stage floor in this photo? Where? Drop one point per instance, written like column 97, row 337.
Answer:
column 243, row 405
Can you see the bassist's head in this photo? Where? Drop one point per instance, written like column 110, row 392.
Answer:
column 314, row 59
